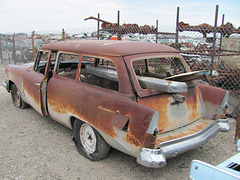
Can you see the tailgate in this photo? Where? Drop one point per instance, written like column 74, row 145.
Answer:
column 174, row 114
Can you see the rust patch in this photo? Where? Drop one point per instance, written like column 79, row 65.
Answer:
column 161, row 104
column 56, row 106
column 132, row 139
column 149, row 141
column 186, row 131
column 193, row 104
column 174, row 115
column 98, row 107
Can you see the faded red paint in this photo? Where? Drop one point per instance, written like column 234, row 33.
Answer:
column 211, row 97
column 119, row 121
column 108, row 48
column 211, row 94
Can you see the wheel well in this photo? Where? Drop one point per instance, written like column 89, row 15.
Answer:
column 72, row 120
column 10, row 84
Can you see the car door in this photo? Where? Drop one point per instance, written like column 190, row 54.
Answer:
column 35, row 82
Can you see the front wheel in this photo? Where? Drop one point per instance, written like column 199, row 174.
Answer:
column 16, row 98
column 89, row 142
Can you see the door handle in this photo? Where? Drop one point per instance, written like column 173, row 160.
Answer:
column 37, row 84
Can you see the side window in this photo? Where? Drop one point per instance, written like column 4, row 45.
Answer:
column 99, row 72
column 67, row 65
column 41, row 62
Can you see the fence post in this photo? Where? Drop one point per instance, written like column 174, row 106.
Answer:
column 14, row 50
column 63, row 34
column 118, row 27
column 177, row 24
column 220, row 46
column 214, row 41
column 33, row 48
column 156, row 31
column 98, row 26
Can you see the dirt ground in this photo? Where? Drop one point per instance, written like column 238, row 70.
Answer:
column 36, row 147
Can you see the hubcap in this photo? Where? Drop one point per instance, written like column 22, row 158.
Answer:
column 88, row 138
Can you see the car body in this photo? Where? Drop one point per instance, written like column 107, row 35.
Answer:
column 227, row 170
column 140, row 98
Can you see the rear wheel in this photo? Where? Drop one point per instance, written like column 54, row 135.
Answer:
column 89, row 142
column 16, row 98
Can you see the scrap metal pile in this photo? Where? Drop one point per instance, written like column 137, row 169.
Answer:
column 226, row 30
column 125, row 28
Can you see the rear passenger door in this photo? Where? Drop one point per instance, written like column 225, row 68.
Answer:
column 62, row 86
column 87, row 95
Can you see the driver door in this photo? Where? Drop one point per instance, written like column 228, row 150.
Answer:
column 35, row 82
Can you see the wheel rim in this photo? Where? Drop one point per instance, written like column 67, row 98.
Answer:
column 17, row 98
column 88, row 138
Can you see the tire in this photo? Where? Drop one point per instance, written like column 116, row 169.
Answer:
column 89, row 142
column 17, row 99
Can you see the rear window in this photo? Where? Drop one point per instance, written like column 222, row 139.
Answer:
column 160, row 68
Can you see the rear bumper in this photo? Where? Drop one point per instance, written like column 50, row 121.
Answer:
column 156, row 158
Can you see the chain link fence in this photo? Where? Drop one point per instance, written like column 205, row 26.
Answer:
column 204, row 47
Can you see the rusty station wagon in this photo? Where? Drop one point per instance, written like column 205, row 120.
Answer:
column 140, row 98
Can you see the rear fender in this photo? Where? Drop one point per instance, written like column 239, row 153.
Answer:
column 214, row 101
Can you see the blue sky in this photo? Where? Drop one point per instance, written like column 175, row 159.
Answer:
column 49, row 15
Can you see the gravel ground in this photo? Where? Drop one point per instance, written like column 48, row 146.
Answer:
column 36, row 147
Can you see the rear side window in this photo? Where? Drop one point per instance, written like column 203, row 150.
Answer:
column 99, row 72
column 67, row 65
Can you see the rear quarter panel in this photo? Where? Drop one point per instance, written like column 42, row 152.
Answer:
column 101, row 108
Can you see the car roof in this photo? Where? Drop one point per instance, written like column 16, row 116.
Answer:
column 109, row 47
